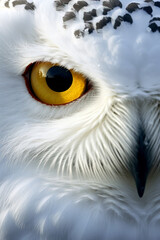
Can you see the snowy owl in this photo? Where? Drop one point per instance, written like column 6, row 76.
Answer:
column 79, row 119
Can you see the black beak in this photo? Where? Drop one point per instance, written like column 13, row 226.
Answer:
column 141, row 167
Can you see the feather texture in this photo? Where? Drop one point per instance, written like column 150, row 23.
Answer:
column 66, row 171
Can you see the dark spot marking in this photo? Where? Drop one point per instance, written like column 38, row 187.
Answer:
column 94, row 13
column 87, row 16
column 157, row 4
column 118, row 21
column 112, row 4
column 148, row 10
column 105, row 11
column 7, row 4
column 132, row 7
column 59, row 5
column 30, row 6
column 155, row 19
column 153, row 27
column 89, row 27
column 65, row 1
column 68, row 16
column 79, row 5
column 148, row 1
column 103, row 22
column 127, row 18
column 79, row 33
column 19, row 2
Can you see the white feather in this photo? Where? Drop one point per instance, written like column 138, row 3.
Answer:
column 64, row 170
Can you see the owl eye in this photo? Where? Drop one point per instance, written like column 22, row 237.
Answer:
column 53, row 84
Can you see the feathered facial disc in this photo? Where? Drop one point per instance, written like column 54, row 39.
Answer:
column 90, row 99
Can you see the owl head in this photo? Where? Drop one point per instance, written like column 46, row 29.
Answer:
column 79, row 87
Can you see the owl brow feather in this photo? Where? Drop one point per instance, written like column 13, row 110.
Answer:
column 89, row 16
column 27, row 5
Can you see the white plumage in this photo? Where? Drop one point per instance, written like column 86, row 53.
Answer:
column 68, row 172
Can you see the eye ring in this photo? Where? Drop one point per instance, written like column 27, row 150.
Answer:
column 77, row 86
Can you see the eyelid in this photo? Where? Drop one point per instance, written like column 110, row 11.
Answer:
column 26, row 76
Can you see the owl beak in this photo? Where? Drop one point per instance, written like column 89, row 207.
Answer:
column 141, row 167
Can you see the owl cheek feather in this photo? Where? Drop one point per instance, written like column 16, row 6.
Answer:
column 141, row 166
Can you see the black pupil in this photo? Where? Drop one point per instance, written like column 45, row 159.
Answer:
column 59, row 79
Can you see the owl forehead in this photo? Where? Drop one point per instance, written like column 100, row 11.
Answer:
column 95, row 15
column 116, row 41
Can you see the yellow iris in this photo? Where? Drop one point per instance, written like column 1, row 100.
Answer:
column 56, row 85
